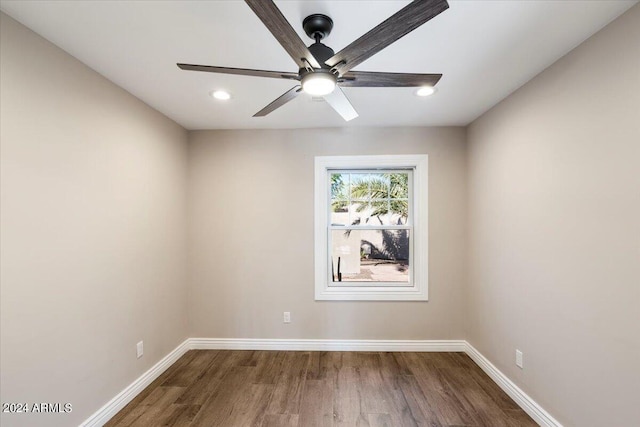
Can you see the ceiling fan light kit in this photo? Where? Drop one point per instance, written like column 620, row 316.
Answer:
column 321, row 71
column 319, row 83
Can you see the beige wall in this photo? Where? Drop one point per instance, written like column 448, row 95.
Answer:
column 251, row 235
column 93, row 232
column 554, row 232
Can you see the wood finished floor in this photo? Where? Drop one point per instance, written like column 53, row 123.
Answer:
column 278, row 388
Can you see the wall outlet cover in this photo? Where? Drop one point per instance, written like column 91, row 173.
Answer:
column 139, row 349
column 519, row 359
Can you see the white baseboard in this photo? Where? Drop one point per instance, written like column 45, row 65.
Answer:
column 523, row 400
column 534, row 410
column 326, row 345
column 112, row 407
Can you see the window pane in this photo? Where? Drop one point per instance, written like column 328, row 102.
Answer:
column 339, row 198
column 339, row 186
column 370, row 256
column 398, row 185
column 393, row 217
column 367, row 186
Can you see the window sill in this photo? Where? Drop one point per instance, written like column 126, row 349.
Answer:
column 371, row 293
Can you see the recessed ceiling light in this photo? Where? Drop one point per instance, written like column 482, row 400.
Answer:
column 426, row 91
column 222, row 95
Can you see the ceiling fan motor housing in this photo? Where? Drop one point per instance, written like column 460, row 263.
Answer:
column 321, row 52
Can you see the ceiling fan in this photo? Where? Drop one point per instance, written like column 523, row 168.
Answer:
column 323, row 72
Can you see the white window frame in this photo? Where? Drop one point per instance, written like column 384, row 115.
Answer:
column 418, row 289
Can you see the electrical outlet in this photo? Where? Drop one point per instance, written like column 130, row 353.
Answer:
column 519, row 359
column 140, row 349
column 286, row 317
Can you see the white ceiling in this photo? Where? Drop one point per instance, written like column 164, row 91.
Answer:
column 484, row 49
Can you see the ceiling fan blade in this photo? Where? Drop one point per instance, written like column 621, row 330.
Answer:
column 239, row 71
column 280, row 101
column 339, row 102
column 375, row 79
column 401, row 23
column 278, row 25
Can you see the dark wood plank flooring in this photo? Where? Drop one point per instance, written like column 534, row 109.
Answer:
column 304, row 389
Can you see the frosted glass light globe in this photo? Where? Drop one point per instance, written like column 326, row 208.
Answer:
column 318, row 84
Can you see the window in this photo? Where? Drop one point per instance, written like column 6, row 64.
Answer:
column 371, row 228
